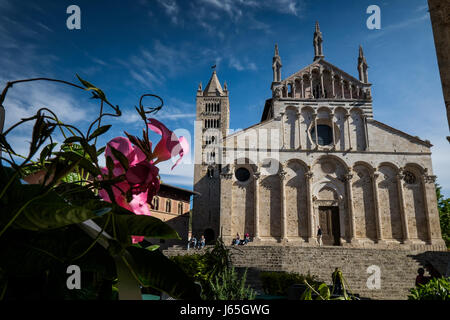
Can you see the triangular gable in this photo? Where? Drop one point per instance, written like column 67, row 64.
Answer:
column 328, row 66
column 400, row 133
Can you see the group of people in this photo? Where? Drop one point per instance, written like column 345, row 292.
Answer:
column 421, row 279
column 196, row 244
column 238, row 241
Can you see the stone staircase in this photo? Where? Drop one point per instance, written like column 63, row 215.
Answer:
column 398, row 268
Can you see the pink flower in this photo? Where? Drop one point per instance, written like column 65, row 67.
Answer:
column 142, row 176
column 139, row 204
column 169, row 145
column 124, row 146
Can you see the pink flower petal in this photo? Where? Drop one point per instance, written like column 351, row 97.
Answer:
column 121, row 144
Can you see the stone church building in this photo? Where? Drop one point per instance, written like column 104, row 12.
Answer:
column 317, row 157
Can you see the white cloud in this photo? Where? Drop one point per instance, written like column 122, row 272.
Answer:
column 171, row 8
column 400, row 25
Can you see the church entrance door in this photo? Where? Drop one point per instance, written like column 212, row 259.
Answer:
column 329, row 222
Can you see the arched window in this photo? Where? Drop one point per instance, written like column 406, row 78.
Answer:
column 180, row 207
column 210, row 173
column 324, row 134
column 409, row 177
column 155, row 203
column 168, row 205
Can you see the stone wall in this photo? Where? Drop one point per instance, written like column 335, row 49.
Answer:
column 398, row 267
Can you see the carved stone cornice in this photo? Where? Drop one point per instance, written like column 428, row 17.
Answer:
column 282, row 174
column 429, row 178
column 226, row 176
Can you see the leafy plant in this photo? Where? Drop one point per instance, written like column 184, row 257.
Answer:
column 228, row 286
column 278, row 283
column 205, row 267
column 73, row 212
column 435, row 289
column 321, row 291
column 444, row 215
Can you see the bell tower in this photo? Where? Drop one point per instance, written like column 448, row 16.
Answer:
column 211, row 126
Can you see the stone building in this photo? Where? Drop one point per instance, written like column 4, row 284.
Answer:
column 172, row 205
column 440, row 19
column 317, row 157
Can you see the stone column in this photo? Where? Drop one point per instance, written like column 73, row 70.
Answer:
column 303, row 89
column 256, row 177
column 342, row 88
column 226, row 209
column 311, row 84
column 350, row 89
column 299, row 130
column 403, row 213
column 293, row 90
column 378, row 221
column 310, row 206
column 351, row 217
column 424, row 179
column 332, row 84
column 282, row 129
column 347, row 119
column 366, row 132
column 282, row 176
column 315, row 130
column 322, row 87
column 332, row 129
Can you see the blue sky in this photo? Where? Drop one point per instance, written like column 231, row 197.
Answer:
column 167, row 47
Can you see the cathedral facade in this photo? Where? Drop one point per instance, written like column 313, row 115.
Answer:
column 316, row 158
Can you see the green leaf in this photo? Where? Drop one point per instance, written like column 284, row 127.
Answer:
column 147, row 226
column 46, row 151
column 120, row 157
column 324, row 292
column 82, row 161
column 153, row 247
column 99, row 131
column 100, row 151
column 155, row 270
column 73, row 139
column 90, row 86
column 46, row 212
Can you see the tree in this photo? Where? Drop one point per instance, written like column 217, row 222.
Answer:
column 444, row 214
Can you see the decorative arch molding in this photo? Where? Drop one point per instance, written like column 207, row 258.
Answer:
column 357, row 110
column 332, row 157
column 298, row 161
column 388, row 164
column 325, row 109
column 415, row 167
column 338, row 188
column 366, row 165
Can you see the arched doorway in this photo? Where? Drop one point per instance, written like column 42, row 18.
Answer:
column 330, row 225
column 209, row 236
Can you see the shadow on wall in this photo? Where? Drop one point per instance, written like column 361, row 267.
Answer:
column 439, row 260
column 181, row 225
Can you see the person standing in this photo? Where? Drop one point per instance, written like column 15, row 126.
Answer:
column 202, row 242
column 319, row 236
column 337, row 284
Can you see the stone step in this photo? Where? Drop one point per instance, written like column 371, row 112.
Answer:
column 398, row 267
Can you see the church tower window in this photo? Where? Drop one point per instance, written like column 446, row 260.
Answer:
column 409, row 177
column 324, row 134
